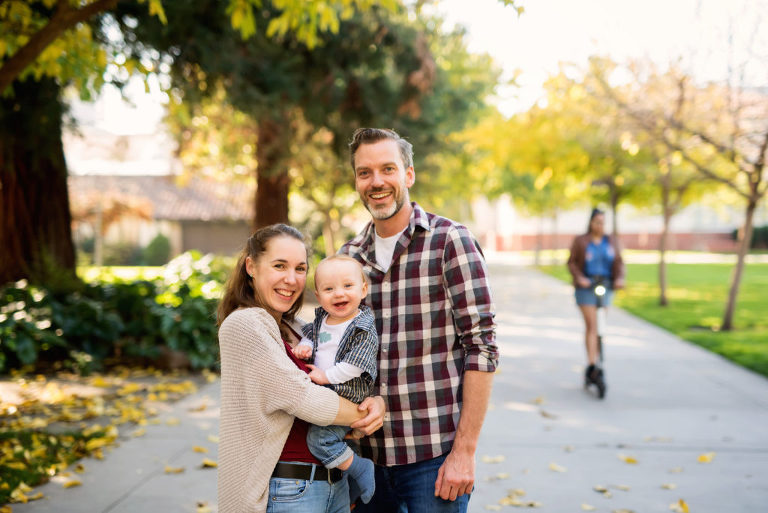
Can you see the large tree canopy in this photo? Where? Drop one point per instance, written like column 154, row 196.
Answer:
column 381, row 68
column 46, row 44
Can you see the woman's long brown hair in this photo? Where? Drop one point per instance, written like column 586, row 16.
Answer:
column 239, row 291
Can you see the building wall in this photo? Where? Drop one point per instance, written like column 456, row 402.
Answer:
column 221, row 237
column 499, row 226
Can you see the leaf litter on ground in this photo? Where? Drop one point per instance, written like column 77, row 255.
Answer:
column 49, row 422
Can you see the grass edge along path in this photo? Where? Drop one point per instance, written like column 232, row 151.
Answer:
column 697, row 296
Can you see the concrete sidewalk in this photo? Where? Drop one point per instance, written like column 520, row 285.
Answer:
column 667, row 403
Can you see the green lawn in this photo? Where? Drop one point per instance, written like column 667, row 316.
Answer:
column 697, row 295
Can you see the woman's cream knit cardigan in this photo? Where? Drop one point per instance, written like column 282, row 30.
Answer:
column 262, row 391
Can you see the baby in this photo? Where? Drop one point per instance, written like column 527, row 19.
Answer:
column 343, row 345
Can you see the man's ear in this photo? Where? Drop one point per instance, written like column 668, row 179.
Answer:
column 410, row 177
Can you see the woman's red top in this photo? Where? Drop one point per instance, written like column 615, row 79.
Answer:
column 295, row 448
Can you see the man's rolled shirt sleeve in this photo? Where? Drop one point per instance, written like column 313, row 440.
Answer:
column 466, row 279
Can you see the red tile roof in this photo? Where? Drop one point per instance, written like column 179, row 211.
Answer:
column 171, row 198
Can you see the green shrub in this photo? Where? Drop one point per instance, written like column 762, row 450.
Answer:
column 158, row 251
column 91, row 323
column 122, row 253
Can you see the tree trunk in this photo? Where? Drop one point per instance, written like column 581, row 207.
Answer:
column 539, row 238
column 35, row 221
column 614, row 211
column 273, row 183
column 664, row 240
column 663, row 244
column 329, row 237
column 739, row 269
column 555, row 237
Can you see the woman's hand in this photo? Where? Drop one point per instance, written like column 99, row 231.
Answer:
column 375, row 418
column 583, row 282
column 618, row 283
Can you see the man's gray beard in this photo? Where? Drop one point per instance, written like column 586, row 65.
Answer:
column 383, row 215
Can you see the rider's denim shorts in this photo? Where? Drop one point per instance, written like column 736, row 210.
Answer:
column 587, row 297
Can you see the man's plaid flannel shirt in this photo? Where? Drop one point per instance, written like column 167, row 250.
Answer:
column 434, row 316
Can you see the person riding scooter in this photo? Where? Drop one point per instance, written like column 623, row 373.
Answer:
column 594, row 255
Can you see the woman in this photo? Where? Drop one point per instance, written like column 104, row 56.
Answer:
column 267, row 398
column 594, row 255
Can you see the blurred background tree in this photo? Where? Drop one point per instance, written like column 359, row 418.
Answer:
column 46, row 45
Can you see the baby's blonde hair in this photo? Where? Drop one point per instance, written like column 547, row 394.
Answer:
column 343, row 258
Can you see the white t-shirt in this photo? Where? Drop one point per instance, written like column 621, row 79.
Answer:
column 328, row 341
column 385, row 248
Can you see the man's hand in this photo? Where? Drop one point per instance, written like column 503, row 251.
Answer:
column 302, row 352
column 375, row 418
column 456, row 476
column 318, row 376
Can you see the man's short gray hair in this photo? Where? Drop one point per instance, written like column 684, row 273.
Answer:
column 373, row 135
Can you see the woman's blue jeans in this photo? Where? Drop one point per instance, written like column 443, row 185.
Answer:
column 410, row 489
column 307, row 496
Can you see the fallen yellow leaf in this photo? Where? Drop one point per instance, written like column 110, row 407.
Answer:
column 79, row 468
column 173, row 470
column 493, row 507
column 5, row 509
column 679, row 507
column 209, row 463
column 538, row 400
column 557, row 468
column 602, row 489
column 139, row 432
column 213, row 438
column 707, row 457
column 492, row 459
column 624, row 488
column 669, row 486
column 202, row 507
column 172, row 421
column 72, row 483
column 627, row 459
column 98, row 381
column 588, row 507
column 197, row 448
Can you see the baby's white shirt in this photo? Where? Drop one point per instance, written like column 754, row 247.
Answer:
column 325, row 356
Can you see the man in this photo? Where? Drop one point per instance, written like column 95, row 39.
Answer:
column 434, row 315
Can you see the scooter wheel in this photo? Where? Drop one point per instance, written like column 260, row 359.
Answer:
column 601, row 390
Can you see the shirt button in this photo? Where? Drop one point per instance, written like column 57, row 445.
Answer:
column 385, row 285
column 385, row 315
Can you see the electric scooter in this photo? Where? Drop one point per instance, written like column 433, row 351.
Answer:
column 595, row 375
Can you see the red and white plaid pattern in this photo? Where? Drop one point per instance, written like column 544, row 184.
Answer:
column 434, row 316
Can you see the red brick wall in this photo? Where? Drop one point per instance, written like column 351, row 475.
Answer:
column 720, row 242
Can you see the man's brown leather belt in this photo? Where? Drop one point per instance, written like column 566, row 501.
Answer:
column 304, row 472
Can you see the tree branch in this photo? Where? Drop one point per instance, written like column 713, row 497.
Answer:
column 63, row 19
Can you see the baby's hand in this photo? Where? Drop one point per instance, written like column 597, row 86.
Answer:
column 302, row 352
column 318, row 376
